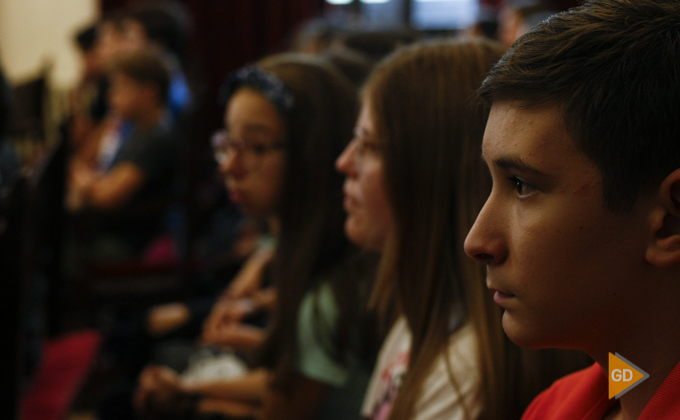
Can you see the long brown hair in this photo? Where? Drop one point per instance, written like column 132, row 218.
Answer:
column 312, row 246
column 430, row 126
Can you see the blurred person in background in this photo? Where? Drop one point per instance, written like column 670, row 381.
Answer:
column 84, row 106
column 413, row 184
column 518, row 16
column 286, row 121
column 133, row 195
column 148, row 29
column 486, row 24
column 158, row 29
column 94, row 132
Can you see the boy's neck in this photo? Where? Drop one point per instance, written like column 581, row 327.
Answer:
column 650, row 339
column 634, row 401
column 149, row 118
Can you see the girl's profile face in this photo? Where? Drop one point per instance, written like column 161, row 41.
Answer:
column 252, row 153
column 368, row 213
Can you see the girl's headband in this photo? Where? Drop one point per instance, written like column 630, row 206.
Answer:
column 269, row 85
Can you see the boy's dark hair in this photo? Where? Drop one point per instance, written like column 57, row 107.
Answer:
column 86, row 38
column 147, row 68
column 613, row 68
column 163, row 28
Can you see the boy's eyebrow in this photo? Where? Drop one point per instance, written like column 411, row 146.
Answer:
column 516, row 164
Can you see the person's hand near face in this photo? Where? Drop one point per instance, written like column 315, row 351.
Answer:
column 156, row 384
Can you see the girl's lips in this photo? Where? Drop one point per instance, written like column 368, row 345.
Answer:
column 349, row 202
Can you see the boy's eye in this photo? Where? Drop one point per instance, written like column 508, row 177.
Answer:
column 523, row 189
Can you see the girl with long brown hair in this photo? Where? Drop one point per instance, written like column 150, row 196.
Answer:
column 414, row 185
column 417, row 144
column 287, row 119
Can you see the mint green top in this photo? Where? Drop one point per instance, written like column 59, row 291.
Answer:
column 346, row 384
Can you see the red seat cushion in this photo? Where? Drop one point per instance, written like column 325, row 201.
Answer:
column 63, row 369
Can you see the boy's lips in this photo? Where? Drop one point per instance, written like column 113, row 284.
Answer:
column 500, row 295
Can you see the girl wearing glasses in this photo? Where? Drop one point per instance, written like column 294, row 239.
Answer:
column 286, row 121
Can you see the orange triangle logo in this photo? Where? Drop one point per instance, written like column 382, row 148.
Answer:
column 623, row 375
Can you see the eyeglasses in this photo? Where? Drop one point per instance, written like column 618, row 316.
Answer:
column 251, row 150
column 364, row 147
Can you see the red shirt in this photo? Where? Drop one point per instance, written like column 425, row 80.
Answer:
column 583, row 396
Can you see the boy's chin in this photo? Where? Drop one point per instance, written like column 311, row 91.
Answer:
column 529, row 337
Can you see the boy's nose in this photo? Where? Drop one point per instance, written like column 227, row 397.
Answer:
column 484, row 243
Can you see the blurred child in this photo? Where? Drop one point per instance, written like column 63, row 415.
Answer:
column 286, row 121
column 159, row 30
column 143, row 171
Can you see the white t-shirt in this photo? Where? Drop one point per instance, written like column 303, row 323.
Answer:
column 439, row 399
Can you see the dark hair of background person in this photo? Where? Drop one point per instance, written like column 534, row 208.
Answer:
column 488, row 28
column 315, row 36
column 146, row 68
column 312, row 246
column 377, row 45
column 353, row 64
column 533, row 6
column 615, row 77
column 86, row 38
column 162, row 27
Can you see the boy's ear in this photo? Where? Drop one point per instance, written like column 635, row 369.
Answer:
column 664, row 249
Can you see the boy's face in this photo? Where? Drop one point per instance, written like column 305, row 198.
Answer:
column 134, row 35
column 109, row 44
column 564, row 268
column 127, row 97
